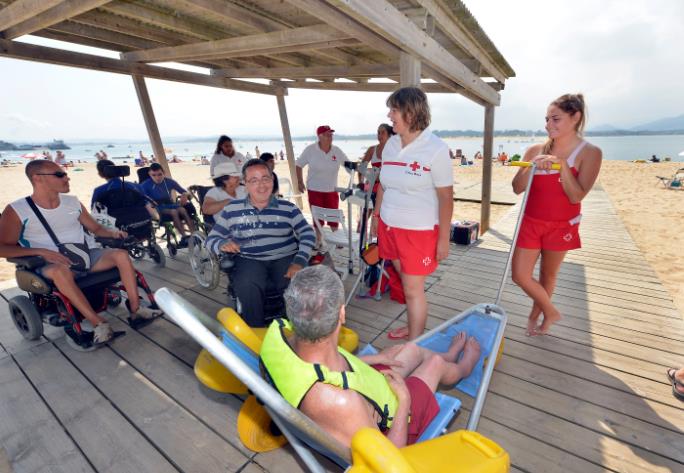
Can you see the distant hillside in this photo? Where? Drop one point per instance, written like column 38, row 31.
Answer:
column 664, row 124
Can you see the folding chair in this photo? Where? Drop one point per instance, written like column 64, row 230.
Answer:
column 336, row 240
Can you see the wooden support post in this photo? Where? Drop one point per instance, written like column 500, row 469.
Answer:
column 409, row 70
column 289, row 149
column 150, row 122
column 487, row 148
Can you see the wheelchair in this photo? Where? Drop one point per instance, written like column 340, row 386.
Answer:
column 204, row 264
column 127, row 207
column 165, row 223
column 45, row 304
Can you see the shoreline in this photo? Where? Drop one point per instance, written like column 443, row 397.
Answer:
column 651, row 213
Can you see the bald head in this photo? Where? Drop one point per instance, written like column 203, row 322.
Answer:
column 38, row 166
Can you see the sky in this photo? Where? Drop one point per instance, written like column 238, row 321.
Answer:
column 625, row 56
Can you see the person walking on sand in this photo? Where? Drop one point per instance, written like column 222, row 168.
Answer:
column 550, row 225
column 414, row 203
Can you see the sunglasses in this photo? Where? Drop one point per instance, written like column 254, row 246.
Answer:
column 59, row 174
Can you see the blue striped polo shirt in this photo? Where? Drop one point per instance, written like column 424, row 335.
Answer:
column 276, row 231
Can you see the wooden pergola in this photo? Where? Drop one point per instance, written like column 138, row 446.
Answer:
column 309, row 44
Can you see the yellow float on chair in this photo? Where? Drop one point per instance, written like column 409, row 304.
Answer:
column 215, row 376
column 458, row 452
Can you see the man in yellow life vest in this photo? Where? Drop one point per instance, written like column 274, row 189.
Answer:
column 392, row 391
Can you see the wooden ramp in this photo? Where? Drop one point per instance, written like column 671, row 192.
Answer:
column 592, row 396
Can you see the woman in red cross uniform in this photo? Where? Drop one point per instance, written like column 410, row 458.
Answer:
column 414, row 202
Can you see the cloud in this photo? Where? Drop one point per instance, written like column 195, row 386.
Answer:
column 17, row 126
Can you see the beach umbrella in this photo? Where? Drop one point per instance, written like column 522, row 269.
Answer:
column 29, row 155
column 681, row 154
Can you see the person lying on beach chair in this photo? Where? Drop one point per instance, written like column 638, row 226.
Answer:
column 392, row 391
column 23, row 234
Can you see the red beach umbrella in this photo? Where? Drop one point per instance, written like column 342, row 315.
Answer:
column 29, row 155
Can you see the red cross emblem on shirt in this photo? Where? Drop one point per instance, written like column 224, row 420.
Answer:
column 334, row 158
column 414, row 166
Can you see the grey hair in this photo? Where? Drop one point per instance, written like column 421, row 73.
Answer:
column 313, row 302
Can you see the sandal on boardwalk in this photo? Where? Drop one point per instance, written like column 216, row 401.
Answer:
column 401, row 333
column 143, row 317
column 677, row 386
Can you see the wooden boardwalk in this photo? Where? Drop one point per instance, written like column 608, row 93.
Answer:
column 591, row 397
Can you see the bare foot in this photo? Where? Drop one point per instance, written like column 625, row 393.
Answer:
column 532, row 325
column 549, row 320
column 456, row 347
column 471, row 354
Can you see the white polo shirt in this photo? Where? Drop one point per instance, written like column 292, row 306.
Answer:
column 323, row 167
column 238, row 159
column 409, row 177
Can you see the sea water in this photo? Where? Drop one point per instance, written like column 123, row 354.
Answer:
column 625, row 148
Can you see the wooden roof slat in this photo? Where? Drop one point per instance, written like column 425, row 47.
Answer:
column 22, row 10
column 357, row 87
column 306, row 37
column 61, row 12
column 62, row 57
column 393, row 25
column 371, row 70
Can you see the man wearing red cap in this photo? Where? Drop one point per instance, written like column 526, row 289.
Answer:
column 324, row 161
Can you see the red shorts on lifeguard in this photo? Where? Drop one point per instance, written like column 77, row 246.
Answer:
column 536, row 234
column 416, row 250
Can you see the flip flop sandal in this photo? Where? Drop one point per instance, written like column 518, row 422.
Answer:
column 395, row 334
column 677, row 393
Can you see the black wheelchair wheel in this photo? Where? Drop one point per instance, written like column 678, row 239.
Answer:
column 157, row 255
column 136, row 252
column 25, row 317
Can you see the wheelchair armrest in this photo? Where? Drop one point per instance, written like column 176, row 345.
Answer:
column 115, row 242
column 28, row 262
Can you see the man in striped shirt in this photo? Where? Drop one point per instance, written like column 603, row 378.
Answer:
column 270, row 238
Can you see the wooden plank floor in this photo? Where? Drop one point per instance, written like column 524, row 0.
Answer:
column 592, row 396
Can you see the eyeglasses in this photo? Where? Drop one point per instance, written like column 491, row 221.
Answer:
column 263, row 180
column 59, row 174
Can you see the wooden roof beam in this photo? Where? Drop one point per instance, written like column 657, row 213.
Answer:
column 22, row 10
column 451, row 27
column 312, row 37
column 371, row 70
column 357, row 86
column 64, row 10
column 382, row 17
column 31, row 52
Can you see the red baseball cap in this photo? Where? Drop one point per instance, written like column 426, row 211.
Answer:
column 324, row 129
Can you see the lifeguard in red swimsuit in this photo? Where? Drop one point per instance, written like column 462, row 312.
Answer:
column 550, row 225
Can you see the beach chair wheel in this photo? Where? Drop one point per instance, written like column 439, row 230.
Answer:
column 26, row 318
column 256, row 429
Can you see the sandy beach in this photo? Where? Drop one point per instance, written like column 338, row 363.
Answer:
column 652, row 214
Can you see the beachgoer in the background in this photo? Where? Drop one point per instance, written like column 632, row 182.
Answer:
column 225, row 153
column 60, row 159
column 104, row 155
column 282, row 155
column 550, row 226
column 257, row 153
column 159, row 188
column 204, row 161
column 227, row 188
column 676, row 377
column 654, row 159
column 269, row 159
column 324, row 160
column 47, row 155
column 374, row 154
column 414, row 204
column 478, row 155
column 175, row 159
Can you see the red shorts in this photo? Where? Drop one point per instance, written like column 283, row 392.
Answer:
column 416, row 250
column 327, row 200
column 424, row 406
column 536, row 234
